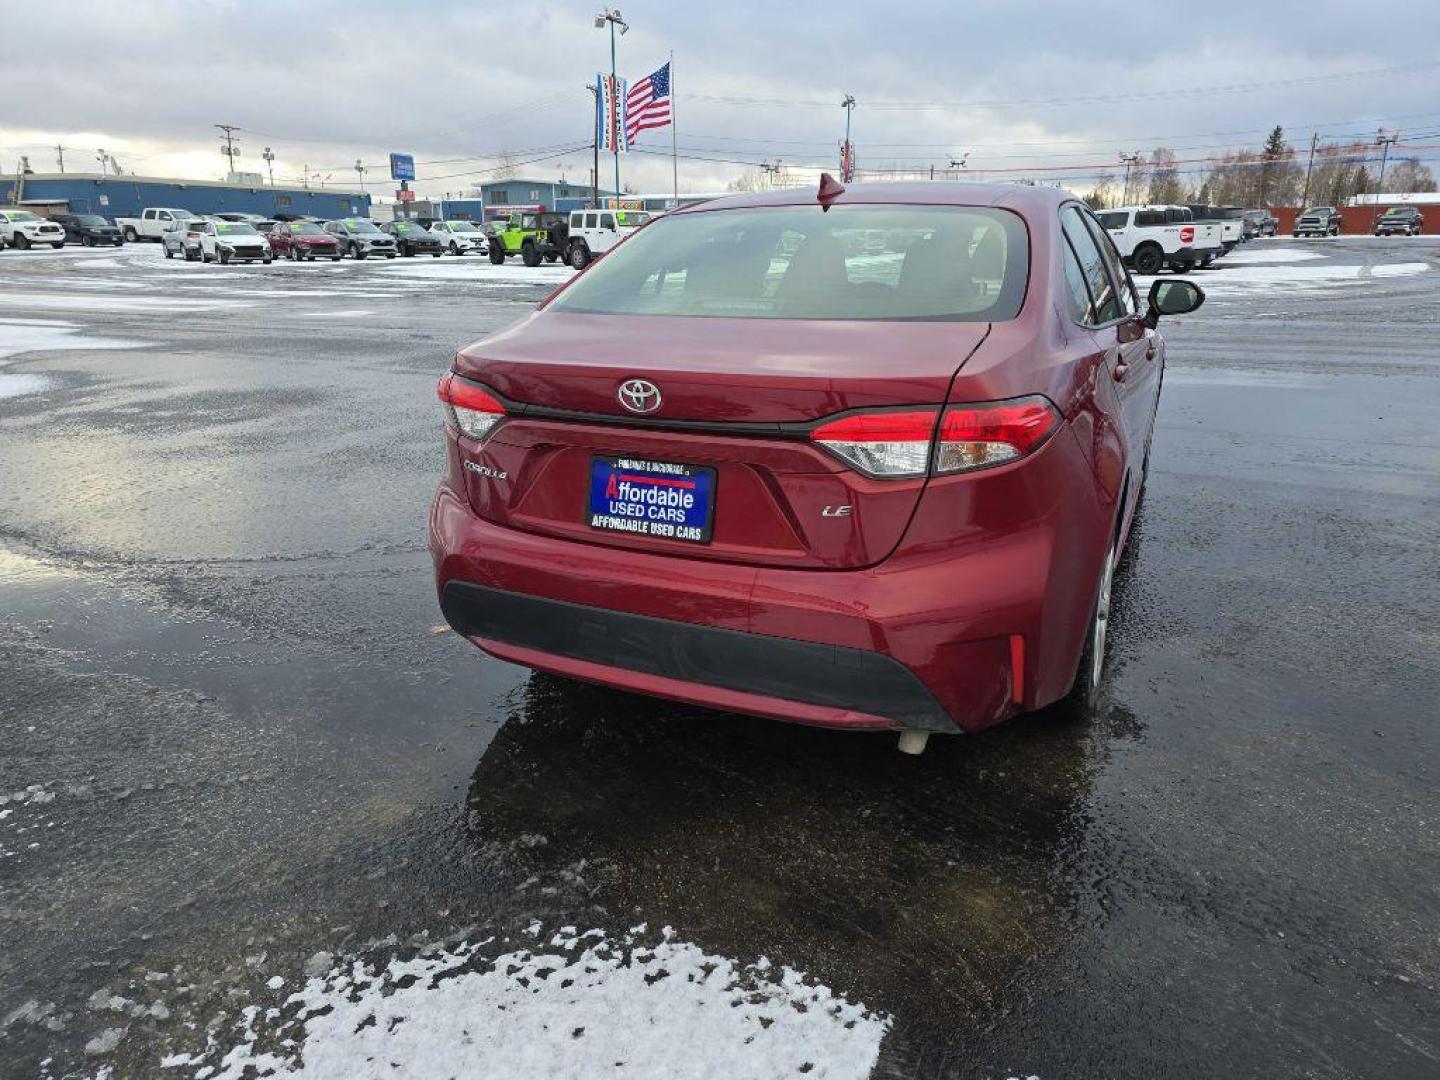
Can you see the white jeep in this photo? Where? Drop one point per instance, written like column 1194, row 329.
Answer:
column 1152, row 237
column 594, row 232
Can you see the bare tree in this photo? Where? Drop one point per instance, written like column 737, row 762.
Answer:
column 505, row 167
column 1104, row 194
column 1165, row 185
column 1409, row 174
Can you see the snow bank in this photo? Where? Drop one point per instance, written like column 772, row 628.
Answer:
column 571, row 1008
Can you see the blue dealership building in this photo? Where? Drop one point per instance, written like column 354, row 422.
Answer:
column 125, row 196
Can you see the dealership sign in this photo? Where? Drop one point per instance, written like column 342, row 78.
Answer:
column 405, row 195
column 402, row 167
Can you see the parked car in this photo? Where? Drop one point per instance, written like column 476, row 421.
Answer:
column 412, row 238
column 1262, row 222
column 460, row 236
column 1151, row 237
column 533, row 235
column 1401, row 221
column 875, row 497
column 232, row 241
column 1318, row 221
column 88, row 230
column 182, row 238
column 22, row 229
column 302, row 240
column 594, row 232
column 360, row 238
column 236, row 215
column 152, row 222
column 286, row 215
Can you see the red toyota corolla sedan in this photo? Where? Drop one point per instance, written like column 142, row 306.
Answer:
column 863, row 459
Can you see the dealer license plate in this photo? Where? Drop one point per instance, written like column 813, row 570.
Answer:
column 652, row 498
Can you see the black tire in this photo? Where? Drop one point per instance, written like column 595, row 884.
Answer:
column 1148, row 259
column 168, row 253
column 497, row 252
column 551, row 256
column 292, row 254
column 334, row 258
column 224, row 258
column 529, row 254
column 58, row 246
column 407, row 251
column 204, row 256
column 1295, row 236
column 1087, row 691
column 455, row 248
column 88, row 241
column 579, row 255
column 22, row 242
column 360, row 256
column 190, row 256
column 268, row 259
column 436, row 254
column 390, row 254
column 1181, row 267
column 130, row 236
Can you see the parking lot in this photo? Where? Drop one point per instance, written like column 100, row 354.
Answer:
column 256, row 801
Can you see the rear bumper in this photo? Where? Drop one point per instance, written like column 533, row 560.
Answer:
column 958, row 634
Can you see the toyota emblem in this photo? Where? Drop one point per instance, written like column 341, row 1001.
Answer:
column 639, row 395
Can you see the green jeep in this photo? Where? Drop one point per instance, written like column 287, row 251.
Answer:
column 531, row 235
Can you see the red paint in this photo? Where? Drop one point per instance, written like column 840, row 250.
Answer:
column 980, row 582
column 1017, row 668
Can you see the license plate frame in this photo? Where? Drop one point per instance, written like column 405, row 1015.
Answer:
column 661, row 516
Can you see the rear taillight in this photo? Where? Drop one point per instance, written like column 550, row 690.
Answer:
column 910, row 442
column 469, row 406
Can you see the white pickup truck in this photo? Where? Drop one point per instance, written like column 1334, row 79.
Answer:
column 1153, row 237
column 153, row 221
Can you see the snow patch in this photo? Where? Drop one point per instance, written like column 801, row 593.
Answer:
column 577, row 1006
column 40, row 335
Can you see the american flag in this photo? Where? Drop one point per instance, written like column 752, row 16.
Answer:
column 648, row 103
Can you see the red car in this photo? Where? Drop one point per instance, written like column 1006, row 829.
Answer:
column 863, row 459
column 303, row 240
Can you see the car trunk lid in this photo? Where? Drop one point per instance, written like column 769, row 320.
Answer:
column 737, row 396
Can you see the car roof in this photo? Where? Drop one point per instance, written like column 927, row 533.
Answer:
column 1024, row 198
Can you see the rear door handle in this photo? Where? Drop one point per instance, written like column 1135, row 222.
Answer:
column 1121, row 370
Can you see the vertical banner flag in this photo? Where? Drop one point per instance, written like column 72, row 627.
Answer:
column 609, row 126
column 647, row 105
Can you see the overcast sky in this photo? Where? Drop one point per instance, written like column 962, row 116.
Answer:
column 1022, row 83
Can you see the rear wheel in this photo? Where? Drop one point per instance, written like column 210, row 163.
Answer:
column 129, row 234
column 579, row 256
column 88, row 241
column 1148, row 259
column 1085, row 694
column 529, row 254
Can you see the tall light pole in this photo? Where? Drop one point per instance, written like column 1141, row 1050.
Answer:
column 360, row 168
column 230, row 150
column 618, row 112
column 847, row 167
column 1129, row 161
column 269, row 156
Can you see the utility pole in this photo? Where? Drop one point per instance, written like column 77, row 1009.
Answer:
column 1309, row 166
column 230, row 150
column 1129, row 161
column 360, row 168
column 617, row 106
column 60, row 157
column 269, row 156
column 847, row 160
column 305, row 175
column 1386, row 141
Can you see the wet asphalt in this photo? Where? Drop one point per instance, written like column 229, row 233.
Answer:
column 232, row 735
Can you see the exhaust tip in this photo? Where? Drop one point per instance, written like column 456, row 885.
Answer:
column 913, row 741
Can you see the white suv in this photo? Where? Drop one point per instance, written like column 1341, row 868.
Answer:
column 594, row 232
column 460, row 237
column 21, row 229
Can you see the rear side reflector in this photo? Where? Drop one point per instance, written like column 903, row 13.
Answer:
column 912, row 442
column 469, row 406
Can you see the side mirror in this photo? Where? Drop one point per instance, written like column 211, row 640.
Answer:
column 1171, row 297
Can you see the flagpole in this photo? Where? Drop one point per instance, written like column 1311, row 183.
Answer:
column 618, row 114
column 674, row 153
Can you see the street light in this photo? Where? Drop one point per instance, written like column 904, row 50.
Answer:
column 847, row 165
column 617, row 117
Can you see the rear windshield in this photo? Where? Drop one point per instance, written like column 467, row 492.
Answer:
column 963, row 264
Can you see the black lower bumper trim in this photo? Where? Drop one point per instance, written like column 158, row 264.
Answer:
column 800, row 671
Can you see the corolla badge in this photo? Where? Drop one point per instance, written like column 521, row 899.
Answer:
column 639, row 395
